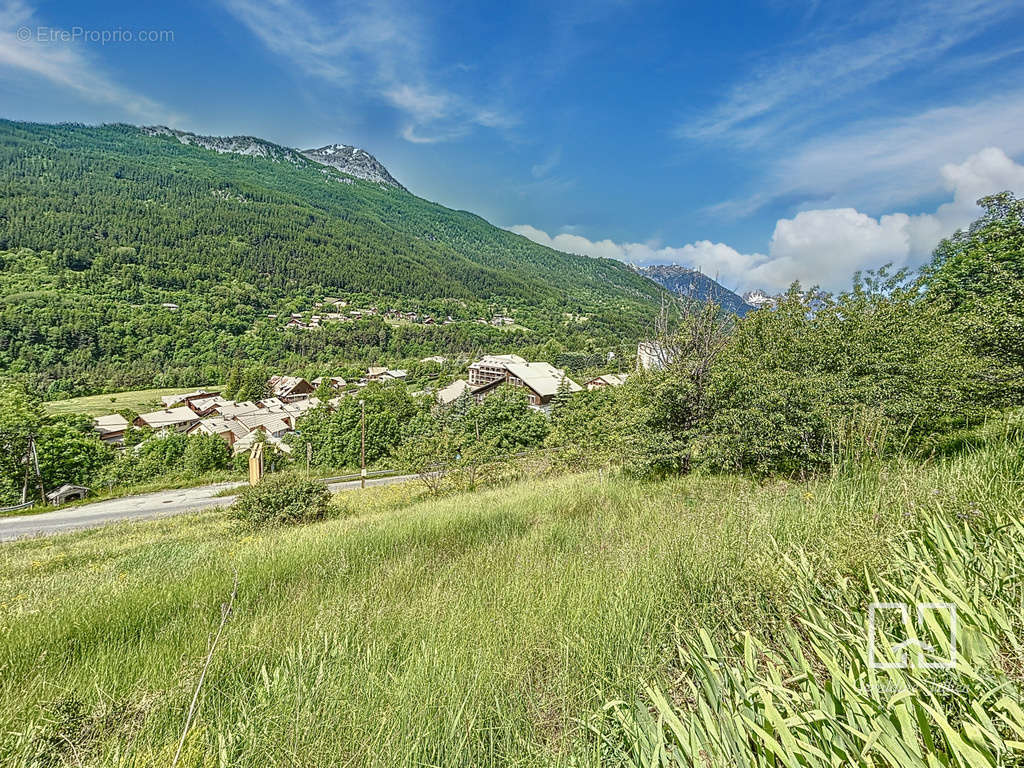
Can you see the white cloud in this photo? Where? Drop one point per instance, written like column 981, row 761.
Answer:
column 368, row 46
column 65, row 64
column 423, row 104
column 716, row 259
column 822, row 246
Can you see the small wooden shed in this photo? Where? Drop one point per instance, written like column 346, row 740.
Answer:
column 67, row 493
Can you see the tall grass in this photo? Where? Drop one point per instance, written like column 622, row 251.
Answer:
column 481, row 629
column 807, row 694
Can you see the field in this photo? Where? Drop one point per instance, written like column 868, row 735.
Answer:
column 141, row 400
column 483, row 629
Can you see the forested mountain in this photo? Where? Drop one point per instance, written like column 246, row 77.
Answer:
column 694, row 284
column 102, row 226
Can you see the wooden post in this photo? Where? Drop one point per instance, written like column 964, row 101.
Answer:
column 255, row 463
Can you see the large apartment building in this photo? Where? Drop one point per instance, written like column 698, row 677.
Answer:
column 541, row 381
column 492, row 368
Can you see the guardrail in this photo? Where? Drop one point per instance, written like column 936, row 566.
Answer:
column 395, row 472
column 356, row 476
column 15, row 508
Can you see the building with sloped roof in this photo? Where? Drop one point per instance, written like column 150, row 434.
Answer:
column 491, row 368
column 607, row 380
column 180, row 419
column 541, row 381
column 289, row 388
column 229, row 430
column 110, row 428
column 168, row 401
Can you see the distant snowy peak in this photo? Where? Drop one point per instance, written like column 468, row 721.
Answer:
column 759, row 299
column 353, row 161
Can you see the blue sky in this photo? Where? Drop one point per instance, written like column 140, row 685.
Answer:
column 760, row 141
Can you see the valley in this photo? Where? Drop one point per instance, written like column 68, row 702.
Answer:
column 352, row 478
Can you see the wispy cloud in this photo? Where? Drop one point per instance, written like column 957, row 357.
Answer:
column 65, row 64
column 371, row 48
column 886, row 162
column 791, row 91
column 545, row 166
column 822, row 246
column 817, row 128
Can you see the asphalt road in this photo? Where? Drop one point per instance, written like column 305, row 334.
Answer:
column 147, row 506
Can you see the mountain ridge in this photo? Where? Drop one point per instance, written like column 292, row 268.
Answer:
column 694, row 284
column 350, row 160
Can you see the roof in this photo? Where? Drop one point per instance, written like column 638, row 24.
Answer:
column 376, row 370
column 299, row 407
column 220, row 426
column 611, row 379
column 268, row 421
column 233, row 410
column 64, row 490
column 502, row 360
column 542, row 378
column 115, row 422
column 169, row 417
column 168, row 400
column 282, row 386
column 208, row 403
column 452, row 392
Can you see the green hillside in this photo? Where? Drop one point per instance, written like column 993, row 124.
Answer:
column 100, row 226
column 501, row 628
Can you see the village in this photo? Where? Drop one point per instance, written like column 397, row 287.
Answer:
column 335, row 310
column 267, row 421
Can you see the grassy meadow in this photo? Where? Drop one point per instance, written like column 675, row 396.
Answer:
column 140, row 401
column 494, row 628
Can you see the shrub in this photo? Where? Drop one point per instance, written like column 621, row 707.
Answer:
column 205, row 453
column 283, row 499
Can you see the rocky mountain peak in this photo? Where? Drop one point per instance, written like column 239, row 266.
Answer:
column 353, row 161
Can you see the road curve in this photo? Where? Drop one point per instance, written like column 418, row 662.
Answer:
column 147, row 506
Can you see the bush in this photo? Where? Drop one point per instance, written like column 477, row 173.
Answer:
column 205, row 453
column 283, row 499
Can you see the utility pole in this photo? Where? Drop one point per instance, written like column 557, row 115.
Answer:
column 362, row 444
column 27, row 461
column 39, row 475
